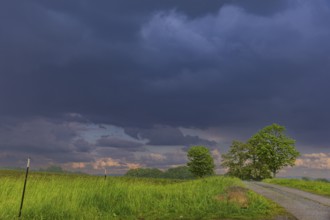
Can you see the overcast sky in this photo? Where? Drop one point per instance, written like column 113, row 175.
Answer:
column 124, row 84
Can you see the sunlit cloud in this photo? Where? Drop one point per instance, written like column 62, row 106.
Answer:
column 105, row 162
column 133, row 165
column 78, row 165
column 102, row 163
column 315, row 161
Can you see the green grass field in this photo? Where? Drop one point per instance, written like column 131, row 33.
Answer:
column 317, row 187
column 50, row 196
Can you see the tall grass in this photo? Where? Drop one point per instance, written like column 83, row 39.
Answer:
column 90, row 197
column 317, row 187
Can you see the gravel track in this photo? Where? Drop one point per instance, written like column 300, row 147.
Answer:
column 302, row 205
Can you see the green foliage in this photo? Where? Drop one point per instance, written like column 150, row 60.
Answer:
column 145, row 172
column 274, row 148
column 200, row 162
column 322, row 180
column 63, row 196
column 262, row 156
column 236, row 159
column 314, row 186
column 243, row 163
column 181, row 172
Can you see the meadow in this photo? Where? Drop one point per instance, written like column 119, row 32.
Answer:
column 317, row 187
column 64, row 196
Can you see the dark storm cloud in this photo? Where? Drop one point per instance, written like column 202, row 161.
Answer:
column 82, row 145
column 36, row 136
column 262, row 7
column 119, row 143
column 175, row 63
column 251, row 70
column 42, row 139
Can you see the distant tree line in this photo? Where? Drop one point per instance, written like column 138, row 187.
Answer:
column 53, row 169
column 181, row 172
column 200, row 164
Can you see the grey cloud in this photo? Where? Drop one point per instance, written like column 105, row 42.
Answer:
column 35, row 135
column 265, row 8
column 119, row 143
column 164, row 135
column 42, row 139
column 121, row 154
column 83, row 145
column 209, row 67
column 258, row 70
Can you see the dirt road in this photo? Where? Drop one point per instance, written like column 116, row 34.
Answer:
column 303, row 205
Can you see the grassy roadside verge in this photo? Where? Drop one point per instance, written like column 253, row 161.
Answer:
column 91, row 197
column 317, row 187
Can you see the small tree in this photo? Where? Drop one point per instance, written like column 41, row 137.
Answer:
column 200, row 162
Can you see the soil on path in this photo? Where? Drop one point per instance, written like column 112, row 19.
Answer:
column 303, row 205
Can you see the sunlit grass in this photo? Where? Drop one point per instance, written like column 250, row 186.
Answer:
column 91, row 197
column 317, row 187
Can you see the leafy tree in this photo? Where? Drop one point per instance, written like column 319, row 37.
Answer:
column 262, row 156
column 257, row 168
column 236, row 160
column 273, row 148
column 243, row 163
column 200, row 162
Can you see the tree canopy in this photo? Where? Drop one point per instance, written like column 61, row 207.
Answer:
column 264, row 154
column 274, row 148
column 236, row 159
column 200, row 162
